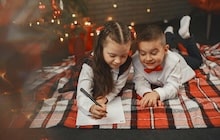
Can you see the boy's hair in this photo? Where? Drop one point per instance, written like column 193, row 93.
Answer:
column 121, row 34
column 152, row 33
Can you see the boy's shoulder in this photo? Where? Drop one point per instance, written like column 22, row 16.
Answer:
column 172, row 57
column 135, row 56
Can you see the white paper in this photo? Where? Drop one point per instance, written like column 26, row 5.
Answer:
column 115, row 115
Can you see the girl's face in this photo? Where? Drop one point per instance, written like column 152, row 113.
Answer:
column 115, row 54
column 152, row 53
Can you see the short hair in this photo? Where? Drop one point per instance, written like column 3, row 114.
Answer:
column 152, row 33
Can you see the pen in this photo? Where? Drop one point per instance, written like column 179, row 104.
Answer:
column 90, row 97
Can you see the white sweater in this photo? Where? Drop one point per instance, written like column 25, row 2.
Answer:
column 175, row 72
column 86, row 81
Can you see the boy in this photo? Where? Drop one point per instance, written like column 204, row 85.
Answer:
column 154, row 64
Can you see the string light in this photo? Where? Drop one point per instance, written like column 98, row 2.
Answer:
column 115, row 5
column 148, row 10
column 109, row 18
column 132, row 23
column 87, row 23
column 58, row 22
column 165, row 21
column 61, row 39
column 75, row 22
column 61, row 24
column 73, row 15
column 66, row 35
column 52, row 21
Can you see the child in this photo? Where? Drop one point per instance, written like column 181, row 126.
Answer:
column 193, row 58
column 106, row 73
column 154, row 64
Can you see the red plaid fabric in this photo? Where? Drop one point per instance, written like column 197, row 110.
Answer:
column 197, row 105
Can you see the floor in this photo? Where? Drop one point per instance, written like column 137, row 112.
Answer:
column 12, row 100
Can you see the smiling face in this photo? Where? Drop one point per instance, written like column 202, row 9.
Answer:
column 152, row 53
column 115, row 54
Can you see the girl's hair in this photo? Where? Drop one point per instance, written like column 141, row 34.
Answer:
column 103, row 81
column 151, row 33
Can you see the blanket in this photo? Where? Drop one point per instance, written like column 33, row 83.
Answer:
column 197, row 105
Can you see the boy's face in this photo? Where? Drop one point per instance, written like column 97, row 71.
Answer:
column 152, row 53
column 115, row 54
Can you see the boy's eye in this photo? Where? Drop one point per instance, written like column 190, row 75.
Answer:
column 154, row 52
column 142, row 53
column 124, row 56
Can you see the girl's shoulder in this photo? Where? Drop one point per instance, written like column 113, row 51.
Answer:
column 124, row 67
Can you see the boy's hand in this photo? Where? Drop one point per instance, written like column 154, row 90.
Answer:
column 150, row 99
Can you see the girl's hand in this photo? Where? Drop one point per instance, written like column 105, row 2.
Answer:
column 97, row 111
column 102, row 100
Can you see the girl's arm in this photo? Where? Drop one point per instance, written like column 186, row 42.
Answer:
column 85, row 81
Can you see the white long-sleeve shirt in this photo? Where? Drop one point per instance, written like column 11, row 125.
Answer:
column 175, row 72
column 86, row 81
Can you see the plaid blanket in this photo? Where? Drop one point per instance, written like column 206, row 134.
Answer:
column 197, row 105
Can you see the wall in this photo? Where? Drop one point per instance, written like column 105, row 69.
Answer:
column 135, row 10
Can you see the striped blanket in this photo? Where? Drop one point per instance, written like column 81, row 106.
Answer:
column 197, row 105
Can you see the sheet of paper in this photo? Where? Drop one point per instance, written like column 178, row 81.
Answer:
column 115, row 115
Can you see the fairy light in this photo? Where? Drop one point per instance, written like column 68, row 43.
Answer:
column 92, row 34
column 115, row 5
column 73, row 15
column 58, row 22
column 148, row 10
column 61, row 39
column 97, row 32
column 66, row 35
column 132, row 23
column 109, row 18
column 87, row 23
column 75, row 22
column 165, row 21
column 52, row 21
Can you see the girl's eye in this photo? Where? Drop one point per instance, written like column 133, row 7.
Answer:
column 111, row 55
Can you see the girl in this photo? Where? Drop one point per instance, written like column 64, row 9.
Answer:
column 106, row 72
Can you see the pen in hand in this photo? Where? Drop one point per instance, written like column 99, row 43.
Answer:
column 88, row 95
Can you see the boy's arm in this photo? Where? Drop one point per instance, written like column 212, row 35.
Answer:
column 171, row 85
column 142, row 86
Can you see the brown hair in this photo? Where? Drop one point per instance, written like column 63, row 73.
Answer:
column 151, row 33
column 103, row 81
